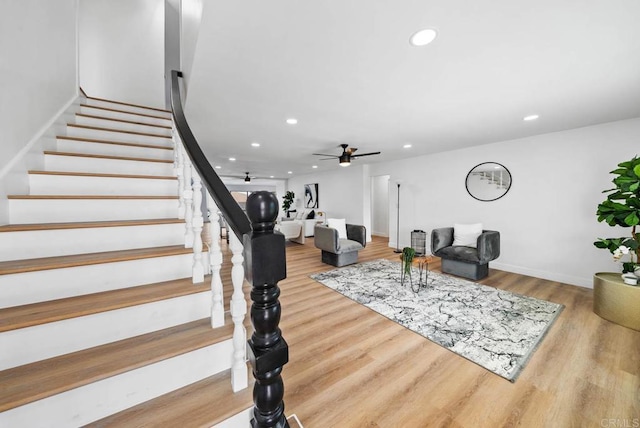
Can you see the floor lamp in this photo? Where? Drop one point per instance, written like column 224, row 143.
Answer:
column 398, row 250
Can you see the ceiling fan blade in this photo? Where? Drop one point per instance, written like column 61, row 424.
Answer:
column 322, row 154
column 334, row 158
column 365, row 154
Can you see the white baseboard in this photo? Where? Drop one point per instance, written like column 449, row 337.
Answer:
column 550, row 276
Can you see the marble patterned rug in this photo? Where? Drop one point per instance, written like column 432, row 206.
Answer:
column 495, row 329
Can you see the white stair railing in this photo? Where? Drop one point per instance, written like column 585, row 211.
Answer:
column 188, row 200
column 178, row 167
column 238, row 308
column 215, row 258
column 197, row 223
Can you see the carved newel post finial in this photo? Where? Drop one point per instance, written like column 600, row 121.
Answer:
column 268, row 351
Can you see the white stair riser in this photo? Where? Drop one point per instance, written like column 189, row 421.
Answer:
column 89, row 147
column 33, row 244
column 40, row 286
column 144, row 117
column 124, row 126
column 124, row 107
column 44, row 184
column 69, row 210
column 30, row 344
column 73, row 131
column 239, row 420
column 105, row 166
column 95, row 401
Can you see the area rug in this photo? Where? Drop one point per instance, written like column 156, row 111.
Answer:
column 495, row 329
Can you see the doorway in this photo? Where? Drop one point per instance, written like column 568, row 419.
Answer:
column 380, row 205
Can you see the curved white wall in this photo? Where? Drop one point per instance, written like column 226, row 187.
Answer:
column 122, row 50
column 38, row 53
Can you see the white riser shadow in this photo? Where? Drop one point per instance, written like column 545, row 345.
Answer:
column 73, row 210
column 102, row 398
column 144, row 117
column 45, row 184
column 126, row 137
column 124, row 126
column 124, row 107
column 105, row 166
column 40, row 286
column 32, row 244
column 89, row 147
column 40, row 342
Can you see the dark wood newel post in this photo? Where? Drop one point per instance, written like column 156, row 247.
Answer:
column 268, row 352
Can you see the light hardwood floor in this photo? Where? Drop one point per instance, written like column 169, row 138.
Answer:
column 351, row 367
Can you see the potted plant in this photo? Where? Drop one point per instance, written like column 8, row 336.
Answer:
column 288, row 201
column 622, row 208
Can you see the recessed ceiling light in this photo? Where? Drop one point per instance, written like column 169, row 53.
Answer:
column 271, row 176
column 289, row 172
column 406, row 146
column 423, row 37
column 315, row 166
column 255, row 144
column 232, row 159
column 292, row 121
column 218, row 167
column 531, row 117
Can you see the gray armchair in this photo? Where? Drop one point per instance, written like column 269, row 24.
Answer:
column 468, row 262
column 340, row 252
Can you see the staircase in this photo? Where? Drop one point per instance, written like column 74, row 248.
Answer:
column 101, row 322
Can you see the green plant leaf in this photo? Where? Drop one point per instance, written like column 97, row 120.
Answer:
column 632, row 219
column 636, row 170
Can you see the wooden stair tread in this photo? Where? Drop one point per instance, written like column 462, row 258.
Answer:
column 123, row 121
column 41, row 379
column 59, row 262
column 85, row 225
column 88, row 155
column 94, row 174
column 124, row 111
column 117, row 143
column 17, row 317
column 123, row 131
column 129, row 104
column 89, row 197
column 201, row 404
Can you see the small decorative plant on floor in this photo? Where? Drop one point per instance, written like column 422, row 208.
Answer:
column 287, row 201
column 622, row 208
column 408, row 254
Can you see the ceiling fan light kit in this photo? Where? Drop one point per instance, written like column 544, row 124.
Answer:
column 347, row 155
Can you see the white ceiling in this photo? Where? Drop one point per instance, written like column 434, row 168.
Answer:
column 346, row 71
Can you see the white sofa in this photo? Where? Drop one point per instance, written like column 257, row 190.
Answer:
column 293, row 230
column 309, row 224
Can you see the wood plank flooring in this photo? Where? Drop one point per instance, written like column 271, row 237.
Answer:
column 351, row 367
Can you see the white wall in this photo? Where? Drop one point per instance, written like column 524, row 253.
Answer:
column 191, row 19
column 341, row 193
column 39, row 77
column 122, row 50
column 547, row 219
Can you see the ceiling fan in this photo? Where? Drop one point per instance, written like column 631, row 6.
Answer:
column 347, row 155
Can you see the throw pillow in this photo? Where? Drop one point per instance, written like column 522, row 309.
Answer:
column 340, row 225
column 311, row 215
column 299, row 215
column 466, row 235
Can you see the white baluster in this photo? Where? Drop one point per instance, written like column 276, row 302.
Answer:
column 197, row 223
column 179, row 170
column 188, row 202
column 215, row 255
column 238, row 308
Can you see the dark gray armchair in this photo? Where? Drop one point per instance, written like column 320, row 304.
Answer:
column 340, row 252
column 468, row 262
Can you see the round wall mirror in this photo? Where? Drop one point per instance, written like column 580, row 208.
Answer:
column 488, row 181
